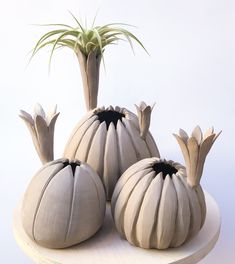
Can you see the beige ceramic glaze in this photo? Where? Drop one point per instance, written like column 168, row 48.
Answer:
column 90, row 67
column 109, row 140
column 41, row 127
column 154, row 205
column 64, row 204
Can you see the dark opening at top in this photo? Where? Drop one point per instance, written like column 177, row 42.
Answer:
column 165, row 168
column 110, row 117
column 72, row 164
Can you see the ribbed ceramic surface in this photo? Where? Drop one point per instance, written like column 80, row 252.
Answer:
column 109, row 148
column 64, row 204
column 154, row 210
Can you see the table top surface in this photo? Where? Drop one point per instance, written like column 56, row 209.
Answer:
column 107, row 247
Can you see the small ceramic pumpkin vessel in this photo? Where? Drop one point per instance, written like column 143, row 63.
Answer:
column 110, row 140
column 64, row 204
column 157, row 204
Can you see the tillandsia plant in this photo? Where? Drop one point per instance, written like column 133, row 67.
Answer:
column 89, row 45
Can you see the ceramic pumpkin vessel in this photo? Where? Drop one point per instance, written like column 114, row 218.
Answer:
column 64, row 204
column 110, row 141
column 154, row 207
column 160, row 204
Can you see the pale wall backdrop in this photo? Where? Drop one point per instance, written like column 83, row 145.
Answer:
column 190, row 75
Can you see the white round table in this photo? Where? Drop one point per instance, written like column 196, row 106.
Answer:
column 107, row 247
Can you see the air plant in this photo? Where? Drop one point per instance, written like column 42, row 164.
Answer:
column 89, row 44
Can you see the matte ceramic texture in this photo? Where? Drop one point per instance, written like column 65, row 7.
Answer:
column 144, row 116
column 154, row 207
column 195, row 149
column 64, row 204
column 41, row 128
column 107, row 246
column 90, row 67
column 109, row 141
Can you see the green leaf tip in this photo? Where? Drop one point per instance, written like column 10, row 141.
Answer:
column 84, row 39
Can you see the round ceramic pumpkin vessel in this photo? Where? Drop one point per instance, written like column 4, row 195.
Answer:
column 109, row 141
column 64, row 204
column 154, row 207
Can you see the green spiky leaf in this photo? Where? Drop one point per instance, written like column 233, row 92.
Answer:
column 87, row 40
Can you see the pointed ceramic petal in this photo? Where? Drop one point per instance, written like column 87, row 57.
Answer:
column 201, row 199
column 120, row 199
column 33, row 133
column 26, row 117
column 209, row 132
column 183, row 213
column 117, row 108
column 111, row 168
column 197, row 134
column 195, row 209
column 137, row 108
column 96, row 152
column 138, row 143
column 143, row 105
column 193, row 150
column 52, row 207
column 148, row 213
column 217, row 135
column 45, row 143
column 204, row 149
column 184, row 150
column 86, row 141
column 127, row 155
column 53, row 121
column 133, row 207
column 77, row 135
column 183, row 135
column 51, row 129
column 166, row 215
column 51, row 113
column 110, row 108
column 38, row 110
column 145, row 122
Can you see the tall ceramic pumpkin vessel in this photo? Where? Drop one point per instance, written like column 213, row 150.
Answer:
column 110, row 141
column 160, row 204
